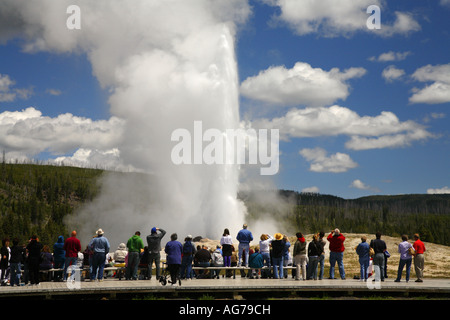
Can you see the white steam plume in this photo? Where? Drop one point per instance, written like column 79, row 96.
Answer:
column 166, row 63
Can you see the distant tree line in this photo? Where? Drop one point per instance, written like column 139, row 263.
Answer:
column 426, row 214
column 34, row 199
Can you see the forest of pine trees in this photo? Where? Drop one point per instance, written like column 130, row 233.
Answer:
column 426, row 214
column 35, row 199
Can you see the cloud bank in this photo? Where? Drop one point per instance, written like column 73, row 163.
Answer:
column 331, row 18
column 365, row 132
column 26, row 133
column 439, row 89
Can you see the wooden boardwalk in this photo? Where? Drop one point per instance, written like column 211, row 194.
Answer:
column 225, row 287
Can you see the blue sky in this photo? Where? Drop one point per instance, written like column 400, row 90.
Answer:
column 394, row 81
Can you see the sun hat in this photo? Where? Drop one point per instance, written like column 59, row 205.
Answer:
column 99, row 232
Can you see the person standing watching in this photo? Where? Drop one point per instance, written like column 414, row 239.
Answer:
column 379, row 247
column 34, row 249
column 321, row 262
column 419, row 259
column 174, row 249
column 4, row 263
column 72, row 246
column 135, row 245
column 244, row 237
column 405, row 258
column 363, row 251
column 100, row 248
column 300, row 257
column 336, row 240
column 154, row 250
column 16, row 260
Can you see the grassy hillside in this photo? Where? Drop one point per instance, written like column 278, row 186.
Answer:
column 34, row 199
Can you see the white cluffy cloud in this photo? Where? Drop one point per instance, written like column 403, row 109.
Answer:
column 312, row 189
column 358, row 184
column 300, row 85
column 94, row 158
column 436, row 92
column 8, row 93
column 392, row 73
column 27, row 133
column 339, row 17
column 390, row 56
column 320, row 162
column 365, row 132
column 438, row 190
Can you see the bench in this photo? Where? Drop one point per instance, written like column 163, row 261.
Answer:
column 51, row 272
column 234, row 269
column 120, row 271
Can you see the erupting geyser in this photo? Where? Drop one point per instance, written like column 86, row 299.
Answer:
column 166, row 64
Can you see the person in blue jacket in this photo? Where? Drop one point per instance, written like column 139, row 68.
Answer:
column 173, row 249
column 100, row 248
column 363, row 250
column 59, row 256
column 244, row 237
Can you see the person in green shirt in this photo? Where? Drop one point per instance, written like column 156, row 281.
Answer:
column 135, row 245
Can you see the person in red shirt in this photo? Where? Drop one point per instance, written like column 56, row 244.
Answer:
column 336, row 240
column 419, row 260
column 72, row 246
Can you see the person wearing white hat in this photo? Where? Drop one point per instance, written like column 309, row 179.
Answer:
column 100, row 247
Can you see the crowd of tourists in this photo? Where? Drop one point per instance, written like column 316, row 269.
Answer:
column 22, row 264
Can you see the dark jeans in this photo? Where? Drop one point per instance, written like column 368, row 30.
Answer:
column 174, row 269
column 186, row 267
column 33, row 269
column 132, row 266
column 98, row 264
column 59, row 264
column 277, row 267
column 312, row 268
column 401, row 265
column 322, row 265
column 339, row 258
column 363, row 268
column 15, row 274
